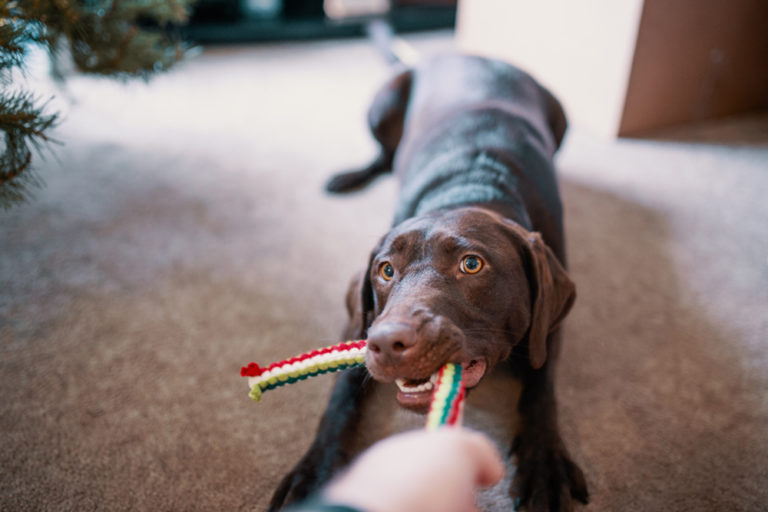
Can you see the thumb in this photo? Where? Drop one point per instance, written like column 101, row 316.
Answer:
column 489, row 468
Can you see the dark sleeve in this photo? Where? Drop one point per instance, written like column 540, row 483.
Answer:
column 319, row 505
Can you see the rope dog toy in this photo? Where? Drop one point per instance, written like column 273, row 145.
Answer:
column 317, row 362
column 447, row 398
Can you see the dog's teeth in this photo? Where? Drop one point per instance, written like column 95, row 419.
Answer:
column 402, row 384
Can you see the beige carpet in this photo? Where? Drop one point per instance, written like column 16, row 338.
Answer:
column 183, row 232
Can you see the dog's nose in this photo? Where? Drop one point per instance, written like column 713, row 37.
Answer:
column 389, row 342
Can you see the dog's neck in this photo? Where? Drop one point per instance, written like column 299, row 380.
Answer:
column 463, row 179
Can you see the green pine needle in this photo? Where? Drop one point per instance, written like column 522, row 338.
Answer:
column 25, row 125
column 117, row 38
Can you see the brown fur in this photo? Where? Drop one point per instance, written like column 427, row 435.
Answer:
column 471, row 141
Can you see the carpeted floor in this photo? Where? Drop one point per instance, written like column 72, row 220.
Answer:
column 183, row 232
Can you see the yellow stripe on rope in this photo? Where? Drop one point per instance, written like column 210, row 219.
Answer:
column 445, row 396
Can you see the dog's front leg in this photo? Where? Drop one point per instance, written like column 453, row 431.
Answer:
column 546, row 478
column 331, row 449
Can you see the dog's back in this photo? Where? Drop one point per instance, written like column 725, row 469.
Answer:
column 480, row 131
column 461, row 131
column 447, row 84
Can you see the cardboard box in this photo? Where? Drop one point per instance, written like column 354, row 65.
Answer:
column 628, row 67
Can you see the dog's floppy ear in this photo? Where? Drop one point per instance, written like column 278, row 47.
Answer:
column 552, row 291
column 552, row 295
column 360, row 302
column 355, row 307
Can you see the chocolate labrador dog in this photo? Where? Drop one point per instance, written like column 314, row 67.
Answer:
column 473, row 272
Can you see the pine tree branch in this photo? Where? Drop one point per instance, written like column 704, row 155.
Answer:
column 118, row 38
column 11, row 39
column 25, row 126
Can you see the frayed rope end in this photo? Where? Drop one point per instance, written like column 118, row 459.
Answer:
column 252, row 370
column 255, row 393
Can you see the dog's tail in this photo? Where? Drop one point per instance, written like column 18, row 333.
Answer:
column 388, row 107
column 394, row 49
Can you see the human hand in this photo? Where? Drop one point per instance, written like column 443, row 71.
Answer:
column 420, row 471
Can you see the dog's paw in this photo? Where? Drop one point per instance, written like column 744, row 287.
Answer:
column 346, row 182
column 354, row 180
column 547, row 480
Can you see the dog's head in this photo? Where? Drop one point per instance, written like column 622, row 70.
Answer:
column 461, row 286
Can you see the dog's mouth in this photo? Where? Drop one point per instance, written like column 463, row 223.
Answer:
column 416, row 394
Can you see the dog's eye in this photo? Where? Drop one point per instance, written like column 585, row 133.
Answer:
column 471, row 264
column 386, row 271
